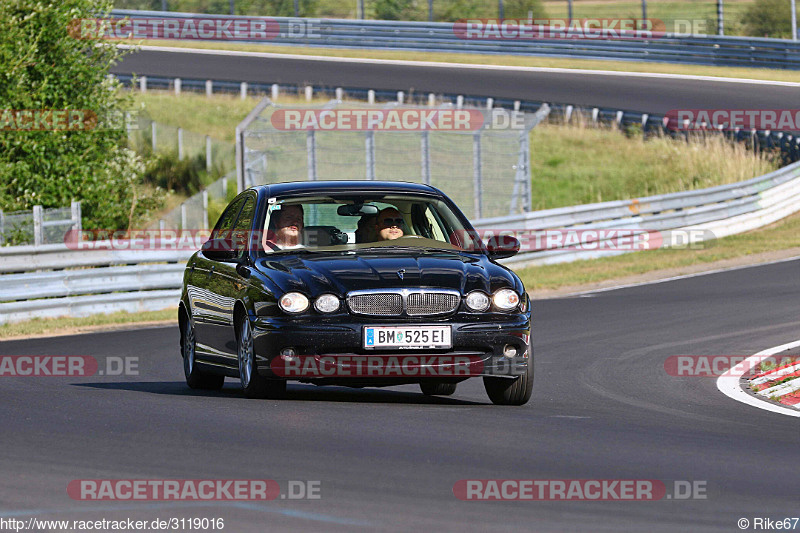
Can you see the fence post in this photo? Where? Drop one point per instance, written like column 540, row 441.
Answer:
column 431, row 99
column 370, row 97
column 162, row 225
column 225, row 188
column 183, row 216
column 339, row 93
column 311, row 150
column 153, row 134
column 459, row 101
column 208, row 154
column 143, row 84
column 180, row 144
column 309, row 90
column 400, row 97
column 209, row 88
column 477, row 178
column 595, row 114
column 275, row 91
column 517, row 103
column 205, row 209
column 426, row 157
column 177, row 86
column 489, row 103
column 568, row 114
column 2, row 226
column 243, row 90
column 75, row 208
column 37, row 225
column 369, row 138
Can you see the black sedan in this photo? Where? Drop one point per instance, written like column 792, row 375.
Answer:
column 360, row 284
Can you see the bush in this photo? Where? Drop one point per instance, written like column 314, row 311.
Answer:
column 42, row 67
column 768, row 18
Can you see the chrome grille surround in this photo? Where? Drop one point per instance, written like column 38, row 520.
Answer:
column 409, row 302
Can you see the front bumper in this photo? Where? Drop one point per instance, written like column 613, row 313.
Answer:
column 331, row 350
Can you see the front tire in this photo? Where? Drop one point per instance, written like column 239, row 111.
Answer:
column 254, row 385
column 437, row 388
column 196, row 378
column 504, row 391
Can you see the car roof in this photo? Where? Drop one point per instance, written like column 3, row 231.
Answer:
column 353, row 186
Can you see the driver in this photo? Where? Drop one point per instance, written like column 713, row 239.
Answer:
column 389, row 225
column 288, row 228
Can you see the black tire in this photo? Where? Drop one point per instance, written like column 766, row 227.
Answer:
column 437, row 388
column 254, row 385
column 505, row 391
column 196, row 378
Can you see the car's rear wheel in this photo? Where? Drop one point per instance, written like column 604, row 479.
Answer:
column 437, row 388
column 505, row 391
column 254, row 385
column 196, row 378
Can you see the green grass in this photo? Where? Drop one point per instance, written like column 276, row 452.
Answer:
column 782, row 235
column 55, row 326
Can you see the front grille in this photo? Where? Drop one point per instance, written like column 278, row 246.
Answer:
column 431, row 303
column 376, row 304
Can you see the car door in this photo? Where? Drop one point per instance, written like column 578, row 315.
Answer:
column 207, row 308
column 228, row 285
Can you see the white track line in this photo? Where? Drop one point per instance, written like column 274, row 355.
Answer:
column 728, row 383
column 439, row 64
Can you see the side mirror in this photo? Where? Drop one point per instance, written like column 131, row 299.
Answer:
column 220, row 250
column 502, row 246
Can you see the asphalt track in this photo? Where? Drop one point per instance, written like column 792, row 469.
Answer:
column 387, row 459
column 632, row 93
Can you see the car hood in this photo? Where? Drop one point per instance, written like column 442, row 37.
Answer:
column 341, row 273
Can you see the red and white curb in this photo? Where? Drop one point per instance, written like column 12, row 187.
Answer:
column 728, row 383
column 781, row 383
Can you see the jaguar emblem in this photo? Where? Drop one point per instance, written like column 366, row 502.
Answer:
column 401, row 273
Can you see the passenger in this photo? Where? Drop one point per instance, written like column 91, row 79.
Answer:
column 366, row 229
column 389, row 225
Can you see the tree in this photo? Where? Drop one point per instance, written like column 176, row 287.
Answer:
column 768, row 18
column 44, row 68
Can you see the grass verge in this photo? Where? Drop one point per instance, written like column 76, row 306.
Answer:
column 505, row 60
column 69, row 325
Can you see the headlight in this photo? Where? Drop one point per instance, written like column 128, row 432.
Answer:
column 293, row 302
column 477, row 301
column 327, row 303
column 505, row 299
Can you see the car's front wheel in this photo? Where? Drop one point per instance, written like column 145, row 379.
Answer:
column 505, row 391
column 437, row 388
column 196, row 378
column 254, row 385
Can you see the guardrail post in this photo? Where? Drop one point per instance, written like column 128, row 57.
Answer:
column 243, row 90
column 645, row 116
column 208, row 154
column 205, row 209
column 180, row 144
column 339, row 93
column 311, row 150
column 400, row 97
column 431, row 99
column 619, row 118
column 369, row 138
column 459, row 101
column 425, row 150
column 370, row 97
column 177, row 86
column 489, row 103
column 595, row 113
column 75, row 210
column 517, row 103
column 477, row 177
column 143, row 84
column 153, row 134
column 209, row 88
column 274, row 92
column 37, row 225
column 309, row 90
column 568, row 114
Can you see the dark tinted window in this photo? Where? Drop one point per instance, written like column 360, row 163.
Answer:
column 241, row 230
column 225, row 222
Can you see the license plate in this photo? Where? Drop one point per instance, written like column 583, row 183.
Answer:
column 405, row 337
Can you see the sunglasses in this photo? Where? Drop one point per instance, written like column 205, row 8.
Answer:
column 389, row 222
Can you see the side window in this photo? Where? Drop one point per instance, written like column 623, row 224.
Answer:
column 243, row 225
column 225, row 223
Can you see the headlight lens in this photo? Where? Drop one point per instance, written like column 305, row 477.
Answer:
column 477, row 301
column 293, row 302
column 327, row 303
column 505, row 299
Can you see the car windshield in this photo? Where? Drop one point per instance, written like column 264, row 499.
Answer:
column 348, row 222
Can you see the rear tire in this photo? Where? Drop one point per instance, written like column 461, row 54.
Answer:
column 437, row 388
column 504, row 391
column 196, row 378
column 254, row 385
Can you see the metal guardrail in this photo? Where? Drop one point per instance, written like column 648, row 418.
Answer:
column 134, row 280
column 444, row 37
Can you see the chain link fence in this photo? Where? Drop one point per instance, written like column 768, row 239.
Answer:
column 39, row 225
